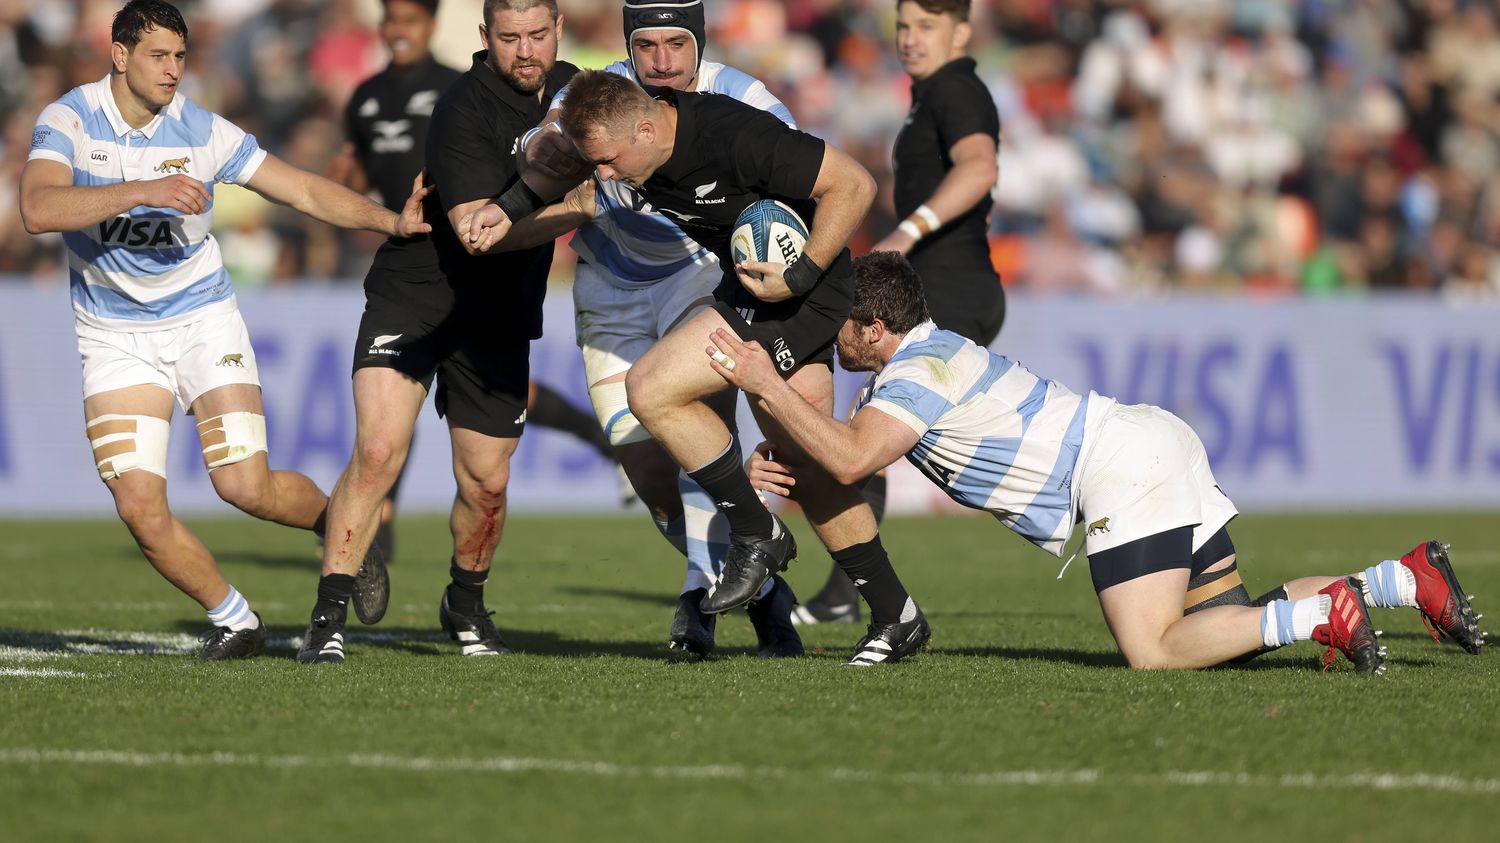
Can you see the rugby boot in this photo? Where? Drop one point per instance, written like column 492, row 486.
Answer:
column 891, row 642
column 775, row 636
column 692, row 632
column 748, row 565
column 222, row 643
column 372, row 586
column 476, row 634
column 1445, row 608
column 323, row 643
column 1349, row 630
column 816, row 611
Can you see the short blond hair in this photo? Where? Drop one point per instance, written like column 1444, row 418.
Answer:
column 600, row 100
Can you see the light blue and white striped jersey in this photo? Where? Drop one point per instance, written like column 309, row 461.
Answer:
column 150, row 268
column 632, row 244
column 995, row 436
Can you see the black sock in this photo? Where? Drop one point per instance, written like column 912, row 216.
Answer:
column 868, row 564
column 839, row 590
column 725, row 480
column 333, row 597
column 874, row 494
column 466, row 592
column 550, row 409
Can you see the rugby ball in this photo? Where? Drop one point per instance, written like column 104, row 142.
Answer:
column 768, row 231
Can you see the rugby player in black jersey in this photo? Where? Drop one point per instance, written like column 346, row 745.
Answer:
column 701, row 159
column 435, row 319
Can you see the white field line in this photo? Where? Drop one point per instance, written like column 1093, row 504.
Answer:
column 45, row 672
column 276, row 606
column 607, row 769
column 111, row 642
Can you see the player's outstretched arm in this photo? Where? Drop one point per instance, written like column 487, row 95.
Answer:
column 335, row 204
column 550, row 167
column 50, row 202
column 553, row 221
column 850, row 452
column 975, row 171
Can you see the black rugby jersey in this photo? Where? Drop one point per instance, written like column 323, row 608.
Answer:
column 470, row 154
column 726, row 156
column 386, row 121
column 947, row 107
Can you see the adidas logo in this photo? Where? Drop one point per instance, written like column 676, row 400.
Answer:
column 521, row 419
column 726, row 504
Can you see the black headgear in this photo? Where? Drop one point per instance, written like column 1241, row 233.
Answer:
column 685, row 15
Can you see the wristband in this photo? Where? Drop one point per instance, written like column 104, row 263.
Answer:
column 927, row 215
column 519, row 201
column 910, row 229
column 531, row 133
column 802, row 275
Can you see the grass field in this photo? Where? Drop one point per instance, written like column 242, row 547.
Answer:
column 1021, row 723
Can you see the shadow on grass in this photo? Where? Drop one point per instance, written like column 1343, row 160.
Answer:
column 649, row 598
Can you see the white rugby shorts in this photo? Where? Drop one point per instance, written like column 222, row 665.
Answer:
column 616, row 326
column 1147, row 473
column 187, row 360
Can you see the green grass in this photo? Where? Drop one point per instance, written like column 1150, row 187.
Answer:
column 1021, row 723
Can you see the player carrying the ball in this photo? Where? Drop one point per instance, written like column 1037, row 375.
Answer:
column 701, row 159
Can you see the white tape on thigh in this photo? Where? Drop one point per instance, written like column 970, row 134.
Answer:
column 123, row 443
column 613, row 412
column 231, row 438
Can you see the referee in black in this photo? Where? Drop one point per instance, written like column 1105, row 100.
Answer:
column 385, row 124
column 945, row 165
column 441, row 316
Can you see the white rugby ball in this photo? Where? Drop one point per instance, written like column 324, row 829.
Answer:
column 768, row 231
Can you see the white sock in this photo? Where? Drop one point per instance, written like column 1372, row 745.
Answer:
column 234, row 612
column 705, row 535
column 1388, row 585
column 1285, row 621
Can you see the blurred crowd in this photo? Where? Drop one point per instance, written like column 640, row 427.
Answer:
column 1266, row 146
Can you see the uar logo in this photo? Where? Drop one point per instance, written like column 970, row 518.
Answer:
column 99, row 155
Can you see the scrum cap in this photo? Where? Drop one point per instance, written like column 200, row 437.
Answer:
column 684, row 16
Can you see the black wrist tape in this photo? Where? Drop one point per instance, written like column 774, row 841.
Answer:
column 802, row 275
column 520, row 201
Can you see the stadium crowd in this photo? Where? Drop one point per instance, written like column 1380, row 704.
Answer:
column 1266, row 146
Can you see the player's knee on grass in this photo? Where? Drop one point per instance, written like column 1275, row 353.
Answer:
column 124, row 443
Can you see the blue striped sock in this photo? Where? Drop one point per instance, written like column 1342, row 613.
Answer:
column 707, row 533
column 234, row 612
column 1389, row 585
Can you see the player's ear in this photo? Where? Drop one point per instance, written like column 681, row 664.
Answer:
column 645, row 130
column 961, row 35
column 484, row 36
column 118, row 53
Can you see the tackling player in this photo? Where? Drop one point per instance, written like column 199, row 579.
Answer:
column 125, row 168
column 1041, row 458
